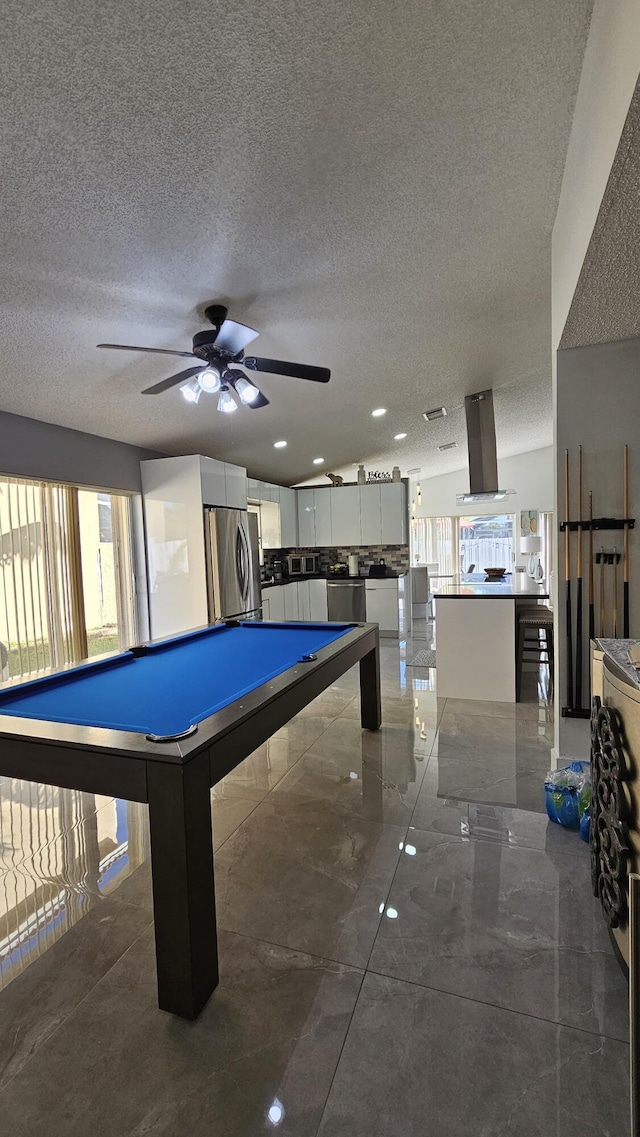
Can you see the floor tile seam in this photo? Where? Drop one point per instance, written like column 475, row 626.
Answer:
column 72, row 1010
column 339, row 1058
column 385, row 901
column 497, row 1006
column 500, row 844
column 251, row 812
column 287, row 947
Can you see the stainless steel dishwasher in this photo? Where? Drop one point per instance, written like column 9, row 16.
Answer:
column 346, row 601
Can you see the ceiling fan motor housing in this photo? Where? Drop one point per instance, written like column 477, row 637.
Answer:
column 204, row 346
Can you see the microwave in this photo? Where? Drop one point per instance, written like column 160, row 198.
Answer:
column 303, row 564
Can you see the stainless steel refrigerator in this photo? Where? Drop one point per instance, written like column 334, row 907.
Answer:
column 233, row 564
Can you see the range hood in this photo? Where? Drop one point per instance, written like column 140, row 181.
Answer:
column 481, row 440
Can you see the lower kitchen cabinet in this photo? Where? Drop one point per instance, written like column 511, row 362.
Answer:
column 291, row 600
column 275, row 597
column 318, row 600
column 382, row 605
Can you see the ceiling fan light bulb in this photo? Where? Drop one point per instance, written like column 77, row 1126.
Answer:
column 209, row 380
column 247, row 391
column 191, row 391
column 226, row 402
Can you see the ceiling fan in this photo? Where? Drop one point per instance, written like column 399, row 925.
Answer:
column 216, row 350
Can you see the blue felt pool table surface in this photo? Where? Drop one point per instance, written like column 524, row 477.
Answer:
column 175, row 684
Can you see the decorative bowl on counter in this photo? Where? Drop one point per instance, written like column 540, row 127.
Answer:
column 495, row 573
column 338, row 569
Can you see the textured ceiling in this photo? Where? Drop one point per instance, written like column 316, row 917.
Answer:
column 605, row 304
column 372, row 186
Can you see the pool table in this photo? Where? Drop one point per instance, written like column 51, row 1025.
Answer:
column 162, row 723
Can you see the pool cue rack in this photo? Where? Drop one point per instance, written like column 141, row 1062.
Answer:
column 606, row 560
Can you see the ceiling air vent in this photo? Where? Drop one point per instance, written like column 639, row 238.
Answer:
column 437, row 412
column 448, row 446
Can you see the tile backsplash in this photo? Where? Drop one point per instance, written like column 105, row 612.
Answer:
column 396, row 557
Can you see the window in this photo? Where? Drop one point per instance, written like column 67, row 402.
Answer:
column 66, row 575
column 457, row 543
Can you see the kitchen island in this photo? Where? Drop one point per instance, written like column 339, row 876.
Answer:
column 476, row 625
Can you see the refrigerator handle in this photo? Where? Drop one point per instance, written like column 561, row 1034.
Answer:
column 242, row 563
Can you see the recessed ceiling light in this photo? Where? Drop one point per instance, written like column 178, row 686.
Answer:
column 318, row 461
column 379, row 412
column 399, row 437
column 437, row 412
column 280, row 445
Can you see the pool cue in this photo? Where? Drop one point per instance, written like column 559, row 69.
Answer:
column 625, row 586
column 567, row 577
column 592, row 612
column 615, row 592
column 579, row 589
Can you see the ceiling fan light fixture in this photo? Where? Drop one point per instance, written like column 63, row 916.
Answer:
column 192, row 391
column 226, row 401
column 209, row 380
column 247, row 391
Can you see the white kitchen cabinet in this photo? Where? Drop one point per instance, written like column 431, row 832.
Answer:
column 382, row 605
column 345, row 515
column 370, row 521
column 236, row 486
column 306, row 519
column 275, row 596
column 318, row 600
column 213, row 481
column 288, row 518
column 266, row 606
column 393, row 514
column 322, row 507
column 304, row 605
column 290, row 600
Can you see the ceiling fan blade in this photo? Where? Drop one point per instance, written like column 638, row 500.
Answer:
column 280, row 367
column 173, row 380
column 155, row 350
column 234, row 337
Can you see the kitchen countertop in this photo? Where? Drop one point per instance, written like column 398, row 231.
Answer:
column 328, row 578
column 511, row 588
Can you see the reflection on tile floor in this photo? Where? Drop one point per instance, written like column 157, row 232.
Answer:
column 407, row 944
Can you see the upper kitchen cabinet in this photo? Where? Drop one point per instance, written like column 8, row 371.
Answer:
column 288, row 518
column 345, row 515
column 322, row 506
column 393, row 513
column 370, row 521
column 235, row 478
column 213, row 481
column 306, row 519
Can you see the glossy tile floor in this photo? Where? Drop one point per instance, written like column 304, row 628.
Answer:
column 408, row 947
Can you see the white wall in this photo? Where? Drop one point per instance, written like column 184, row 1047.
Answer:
column 598, row 406
column 609, row 76
column 529, row 474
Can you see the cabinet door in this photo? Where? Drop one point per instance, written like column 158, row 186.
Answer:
column 288, row 518
column 276, row 601
column 345, row 515
column 318, row 600
column 291, row 601
column 393, row 512
column 304, row 609
column 370, row 522
column 322, row 504
column 306, row 519
column 382, row 606
column 213, row 482
column 236, row 482
column 266, row 607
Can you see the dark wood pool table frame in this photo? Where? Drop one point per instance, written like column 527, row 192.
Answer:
column 175, row 778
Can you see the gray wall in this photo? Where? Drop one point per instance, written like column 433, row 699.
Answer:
column 598, row 405
column 33, row 449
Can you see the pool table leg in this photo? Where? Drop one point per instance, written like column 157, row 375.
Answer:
column 183, row 889
column 370, row 699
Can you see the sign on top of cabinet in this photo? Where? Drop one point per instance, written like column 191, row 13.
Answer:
column 352, row 515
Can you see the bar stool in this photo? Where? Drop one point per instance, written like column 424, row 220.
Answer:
column 541, row 620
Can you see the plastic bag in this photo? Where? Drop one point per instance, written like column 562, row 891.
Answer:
column 568, row 793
